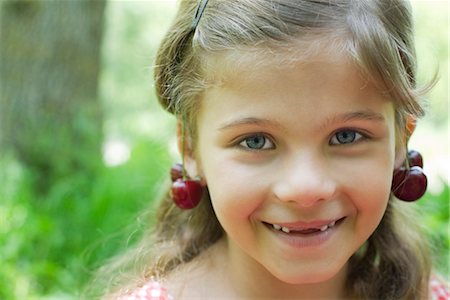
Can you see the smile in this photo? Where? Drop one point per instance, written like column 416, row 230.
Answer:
column 305, row 230
column 301, row 235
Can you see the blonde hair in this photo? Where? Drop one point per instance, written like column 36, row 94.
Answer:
column 376, row 34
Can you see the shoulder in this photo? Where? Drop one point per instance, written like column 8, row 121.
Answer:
column 201, row 278
column 181, row 284
column 152, row 290
column 439, row 289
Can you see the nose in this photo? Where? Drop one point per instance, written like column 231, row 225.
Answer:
column 305, row 180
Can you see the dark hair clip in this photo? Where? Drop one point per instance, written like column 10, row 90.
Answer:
column 198, row 13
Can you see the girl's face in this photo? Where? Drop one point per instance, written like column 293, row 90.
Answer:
column 298, row 159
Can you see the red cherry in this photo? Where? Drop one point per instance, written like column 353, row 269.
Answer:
column 409, row 185
column 187, row 193
column 415, row 159
column 176, row 172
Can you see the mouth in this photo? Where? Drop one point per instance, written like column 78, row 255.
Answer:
column 304, row 230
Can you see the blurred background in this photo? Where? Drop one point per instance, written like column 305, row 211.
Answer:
column 84, row 146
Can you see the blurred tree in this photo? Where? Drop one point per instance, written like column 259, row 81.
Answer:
column 50, row 115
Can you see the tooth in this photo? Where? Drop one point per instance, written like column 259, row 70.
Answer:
column 324, row 227
column 285, row 229
column 332, row 224
column 277, row 227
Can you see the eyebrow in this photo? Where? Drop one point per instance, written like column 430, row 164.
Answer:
column 367, row 115
column 250, row 121
column 362, row 115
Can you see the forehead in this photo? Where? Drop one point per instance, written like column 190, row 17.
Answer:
column 321, row 85
column 311, row 55
column 316, row 46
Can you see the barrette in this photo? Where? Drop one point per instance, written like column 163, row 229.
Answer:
column 198, row 13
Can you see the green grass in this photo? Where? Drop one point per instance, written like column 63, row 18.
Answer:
column 51, row 243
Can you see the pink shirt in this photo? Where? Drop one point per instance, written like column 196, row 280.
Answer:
column 155, row 291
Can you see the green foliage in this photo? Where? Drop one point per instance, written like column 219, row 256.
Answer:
column 51, row 243
column 52, row 239
column 435, row 220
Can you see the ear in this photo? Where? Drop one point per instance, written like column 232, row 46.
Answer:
column 185, row 146
column 405, row 133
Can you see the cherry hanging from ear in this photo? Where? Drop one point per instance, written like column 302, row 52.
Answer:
column 415, row 158
column 410, row 184
column 176, row 172
column 186, row 193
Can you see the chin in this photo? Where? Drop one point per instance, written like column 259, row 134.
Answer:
column 306, row 280
column 317, row 276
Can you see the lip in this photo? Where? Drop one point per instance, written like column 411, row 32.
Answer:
column 307, row 225
column 297, row 240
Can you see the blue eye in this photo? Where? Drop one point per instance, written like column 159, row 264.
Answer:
column 257, row 142
column 347, row 136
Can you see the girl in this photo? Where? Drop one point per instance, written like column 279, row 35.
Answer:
column 293, row 122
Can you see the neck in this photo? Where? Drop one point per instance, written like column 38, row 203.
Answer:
column 250, row 280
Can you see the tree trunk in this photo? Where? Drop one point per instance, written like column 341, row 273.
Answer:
column 50, row 114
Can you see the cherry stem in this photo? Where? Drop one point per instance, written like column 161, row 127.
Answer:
column 183, row 171
column 406, row 161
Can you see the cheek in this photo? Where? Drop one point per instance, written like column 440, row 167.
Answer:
column 371, row 172
column 367, row 181
column 369, row 188
column 373, row 180
column 235, row 191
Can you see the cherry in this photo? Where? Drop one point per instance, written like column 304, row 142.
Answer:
column 415, row 159
column 176, row 172
column 186, row 193
column 414, row 179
